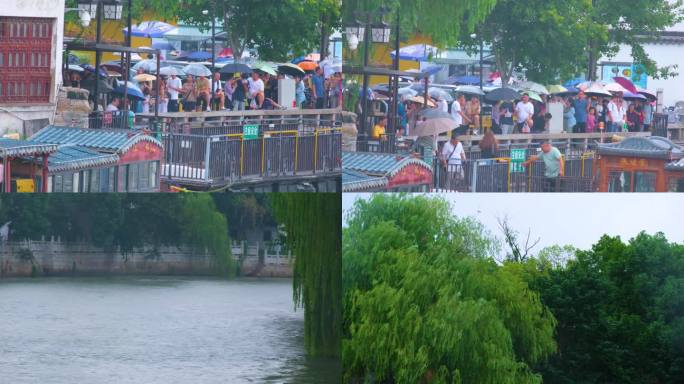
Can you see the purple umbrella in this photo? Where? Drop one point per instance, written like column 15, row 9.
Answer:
column 150, row 29
column 626, row 83
column 417, row 52
column 198, row 55
column 633, row 96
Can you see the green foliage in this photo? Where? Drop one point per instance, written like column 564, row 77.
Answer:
column 246, row 212
column 424, row 302
column 553, row 39
column 312, row 222
column 278, row 30
column 620, row 311
column 122, row 221
column 441, row 20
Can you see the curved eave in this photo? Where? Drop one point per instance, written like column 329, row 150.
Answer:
column 83, row 163
column 29, row 150
column 662, row 155
column 361, row 185
column 406, row 162
column 135, row 140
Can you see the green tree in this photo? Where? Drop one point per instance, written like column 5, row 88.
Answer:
column 312, row 223
column 441, row 20
column 425, row 302
column 292, row 27
column 620, row 311
column 555, row 39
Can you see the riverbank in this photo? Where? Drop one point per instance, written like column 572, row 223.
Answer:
column 56, row 258
column 153, row 330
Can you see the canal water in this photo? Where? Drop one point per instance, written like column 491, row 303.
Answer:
column 154, row 330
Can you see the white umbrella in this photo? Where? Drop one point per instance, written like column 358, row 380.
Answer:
column 73, row 67
column 196, row 70
column 615, row 87
column 469, row 89
column 147, row 65
column 168, row 71
column 534, row 87
column 597, row 89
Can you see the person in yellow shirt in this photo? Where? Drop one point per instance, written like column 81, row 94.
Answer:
column 379, row 129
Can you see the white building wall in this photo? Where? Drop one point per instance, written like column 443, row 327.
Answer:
column 13, row 116
column 664, row 55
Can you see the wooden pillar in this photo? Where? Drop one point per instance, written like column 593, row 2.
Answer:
column 44, row 176
column 8, row 174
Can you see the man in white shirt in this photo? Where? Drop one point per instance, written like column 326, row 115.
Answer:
column 616, row 114
column 524, row 110
column 442, row 104
column 457, row 111
column 173, row 86
column 453, row 157
column 256, row 91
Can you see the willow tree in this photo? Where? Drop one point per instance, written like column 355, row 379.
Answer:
column 441, row 20
column 425, row 303
column 312, row 223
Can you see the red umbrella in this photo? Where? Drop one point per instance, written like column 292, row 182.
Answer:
column 226, row 52
column 626, row 83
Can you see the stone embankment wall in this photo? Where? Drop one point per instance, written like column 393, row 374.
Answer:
column 56, row 258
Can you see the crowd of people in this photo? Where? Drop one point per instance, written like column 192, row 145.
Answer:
column 237, row 92
column 582, row 113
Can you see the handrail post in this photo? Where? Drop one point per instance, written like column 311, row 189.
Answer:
column 474, row 181
column 207, row 157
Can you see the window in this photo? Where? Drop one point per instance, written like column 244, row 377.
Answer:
column 619, row 181
column 645, row 181
column 57, row 183
column 154, row 174
column 86, row 181
column 25, row 59
column 676, row 184
column 132, row 177
column 94, row 180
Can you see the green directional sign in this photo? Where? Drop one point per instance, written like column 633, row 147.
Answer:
column 517, row 158
column 250, row 132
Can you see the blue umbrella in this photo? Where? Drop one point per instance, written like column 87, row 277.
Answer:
column 464, row 80
column 133, row 91
column 163, row 45
column 299, row 60
column 91, row 69
column 199, row 55
column 417, row 52
column 573, row 82
column 432, row 69
column 73, row 59
column 150, row 29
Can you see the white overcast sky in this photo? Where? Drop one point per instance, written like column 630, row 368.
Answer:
column 575, row 219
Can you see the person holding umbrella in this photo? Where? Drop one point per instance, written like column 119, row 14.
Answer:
column 240, row 93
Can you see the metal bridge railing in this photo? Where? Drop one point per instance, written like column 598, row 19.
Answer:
column 232, row 157
column 497, row 175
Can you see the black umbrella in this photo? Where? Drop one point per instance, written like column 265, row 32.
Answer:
column 290, row 70
column 503, row 94
column 102, row 87
column 236, row 68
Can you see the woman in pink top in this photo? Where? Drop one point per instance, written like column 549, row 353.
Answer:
column 591, row 120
